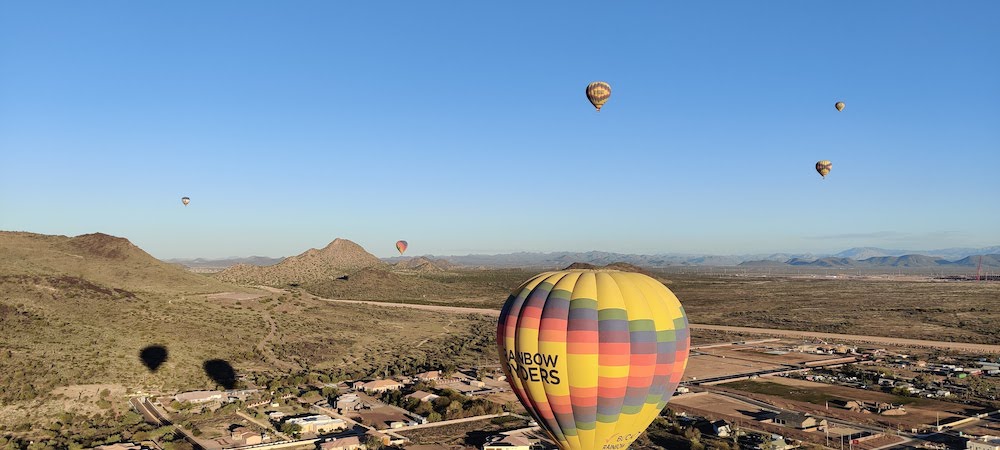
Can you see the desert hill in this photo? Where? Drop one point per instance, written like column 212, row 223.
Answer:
column 339, row 258
column 423, row 264
column 100, row 259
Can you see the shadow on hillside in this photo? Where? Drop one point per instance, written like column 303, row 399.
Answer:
column 221, row 372
column 153, row 357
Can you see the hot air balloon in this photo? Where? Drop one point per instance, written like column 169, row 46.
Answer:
column 185, row 200
column 823, row 167
column 598, row 93
column 401, row 246
column 593, row 355
column 839, row 106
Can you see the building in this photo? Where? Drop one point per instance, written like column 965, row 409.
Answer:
column 199, row 396
column 276, row 415
column 319, row 423
column 381, row 386
column 983, row 443
column 348, row 402
column 429, row 376
column 423, row 396
column 721, row 428
column 799, row 421
column 343, row 443
column 122, row 446
column 506, row 442
column 246, row 436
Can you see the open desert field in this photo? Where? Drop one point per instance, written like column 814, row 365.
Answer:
column 919, row 410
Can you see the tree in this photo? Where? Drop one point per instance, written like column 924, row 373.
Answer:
column 372, row 442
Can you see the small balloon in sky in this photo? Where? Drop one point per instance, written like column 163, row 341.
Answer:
column 598, row 93
column 823, row 167
column 185, row 200
column 839, row 106
column 401, row 246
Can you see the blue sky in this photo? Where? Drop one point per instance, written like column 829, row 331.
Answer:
column 462, row 127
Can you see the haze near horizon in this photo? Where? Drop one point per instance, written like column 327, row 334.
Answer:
column 464, row 128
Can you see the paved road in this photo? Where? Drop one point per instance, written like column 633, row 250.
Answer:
column 984, row 348
column 880, row 340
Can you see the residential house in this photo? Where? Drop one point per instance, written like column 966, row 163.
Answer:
column 799, row 421
column 429, row 376
column 721, row 429
column 507, row 442
column 343, row 443
column 381, row 386
column 983, row 443
column 199, row 396
column 245, row 436
column 319, row 423
column 122, row 446
column 423, row 396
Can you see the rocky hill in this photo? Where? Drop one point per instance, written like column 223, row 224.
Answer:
column 98, row 258
column 341, row 257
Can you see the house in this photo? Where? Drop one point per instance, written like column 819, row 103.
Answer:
column 122, row 446
column 799, row 421
column 246, row 436
column 343, row 443
column 507, row 442
column 983, row 443
column 854, row 405
column 318, row 423
column 778, row 442
column 429, row 376
column 721, row 429
column 381, row 386
column 886, row 382
column 199, row 396
column 476, row 383
column 423, row 396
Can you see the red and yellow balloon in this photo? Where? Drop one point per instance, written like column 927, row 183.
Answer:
column 401, row 246
column 593, row 355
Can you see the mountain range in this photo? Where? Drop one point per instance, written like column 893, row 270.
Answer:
column 948, row 256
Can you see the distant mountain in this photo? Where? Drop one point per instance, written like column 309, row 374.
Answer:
column 862, row 253
column 556, row 260
column 990, row 261
column 341, row 257
column 846, row 258
column 202, row 263
column 423, row 264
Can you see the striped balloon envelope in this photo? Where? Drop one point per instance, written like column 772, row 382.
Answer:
column 401, row 246
column 598, row 93
column 824, row 167
column 593, row 355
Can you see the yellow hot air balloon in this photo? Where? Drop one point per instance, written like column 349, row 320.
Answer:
column 185, row 200
column 839, row 106
column 401, row 246
column 593, row 355
column 823, row 167
column 598, row 93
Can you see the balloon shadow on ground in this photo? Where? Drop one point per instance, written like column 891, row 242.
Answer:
column 153, row 357
column 221, row 372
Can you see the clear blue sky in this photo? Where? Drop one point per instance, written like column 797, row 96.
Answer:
column 462, row 127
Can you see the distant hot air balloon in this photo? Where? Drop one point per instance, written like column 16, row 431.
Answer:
column 598, row 93
column 185, row 200
column 823, row 167
column 593, row 355
column 401, row 246
column 839, row 106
